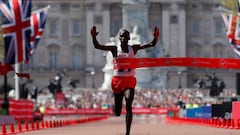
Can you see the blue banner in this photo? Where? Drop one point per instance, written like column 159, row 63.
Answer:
column 200, row 112
column 207, row 112
column 194, row 112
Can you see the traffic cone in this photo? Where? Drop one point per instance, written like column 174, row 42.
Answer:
column 12, row 131
column 232, row 124
column 32, row 126
column 218, row 122
column 37, row 125
column 223, row 123
column 42, row 124
column 63, row 123
column 237, row 125
column 207, row 122
column 213, row 122
column 26, row 126
column 19, row 127
column 54, row 123
column 50, row 124
column 66, row 122
column 46, row 124
column 227, row 124
column 60, row 123
column 69, row 122
column 4, row 130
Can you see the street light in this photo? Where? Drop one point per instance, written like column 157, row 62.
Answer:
column 179, row 79
column 92, row 73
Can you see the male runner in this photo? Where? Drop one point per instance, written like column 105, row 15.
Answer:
column 123, row 80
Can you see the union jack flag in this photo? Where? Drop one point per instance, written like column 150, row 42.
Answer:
column 225, row 18
column 233, row 33
column 238, row 5
column 38, row 21
column 16, row 29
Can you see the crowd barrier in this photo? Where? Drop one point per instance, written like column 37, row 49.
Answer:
column 108, row 111
column 223, row 110
column 224, row 115
column 21, row 110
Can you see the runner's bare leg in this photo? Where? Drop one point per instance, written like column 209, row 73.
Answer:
column 129, row 96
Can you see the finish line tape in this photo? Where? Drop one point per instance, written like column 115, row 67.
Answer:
column 222, row 63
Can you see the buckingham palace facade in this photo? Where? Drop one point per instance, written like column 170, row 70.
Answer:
column 189, row 28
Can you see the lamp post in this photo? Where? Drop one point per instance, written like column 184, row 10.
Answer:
column 179, row 79
column 92, row 73
column 5, row 103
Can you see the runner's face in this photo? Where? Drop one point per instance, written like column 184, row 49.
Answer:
column 124, row 36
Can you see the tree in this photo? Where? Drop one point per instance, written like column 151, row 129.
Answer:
column 230, row 5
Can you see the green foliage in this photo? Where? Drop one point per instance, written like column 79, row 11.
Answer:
column 230, row 5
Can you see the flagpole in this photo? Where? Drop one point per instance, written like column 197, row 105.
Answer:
column 17, row 92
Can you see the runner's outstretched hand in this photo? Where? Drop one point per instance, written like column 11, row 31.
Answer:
column 156, row 32
column 94, row 32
